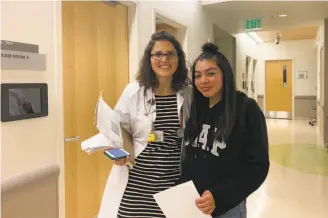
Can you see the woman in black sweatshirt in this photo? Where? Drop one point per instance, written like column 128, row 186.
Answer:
column 225, row 151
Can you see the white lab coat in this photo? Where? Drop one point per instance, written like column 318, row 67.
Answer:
column 133, row 107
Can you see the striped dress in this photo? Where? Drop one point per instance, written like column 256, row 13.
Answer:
column 157, row 168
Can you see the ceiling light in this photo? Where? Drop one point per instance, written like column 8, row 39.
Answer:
column 282, row 15
column 255, row 37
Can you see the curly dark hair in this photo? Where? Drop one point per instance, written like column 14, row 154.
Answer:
column 146, row 75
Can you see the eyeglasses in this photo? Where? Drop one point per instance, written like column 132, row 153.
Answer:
column 160, row 55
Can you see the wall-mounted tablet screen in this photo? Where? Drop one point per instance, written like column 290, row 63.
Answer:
column 21, row 101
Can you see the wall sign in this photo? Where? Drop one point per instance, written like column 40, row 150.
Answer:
column 16, row 60
column 21, row 56
column 301, row 75
column 254, row 24
column 19, row 46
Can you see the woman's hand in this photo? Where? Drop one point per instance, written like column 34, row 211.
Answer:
column 120, row 162
column 206, row 202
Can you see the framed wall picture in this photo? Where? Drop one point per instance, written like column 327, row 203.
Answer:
column 21, row 101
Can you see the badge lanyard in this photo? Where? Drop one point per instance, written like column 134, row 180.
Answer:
column 152, row 136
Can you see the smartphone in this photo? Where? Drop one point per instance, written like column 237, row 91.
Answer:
column 116, row 153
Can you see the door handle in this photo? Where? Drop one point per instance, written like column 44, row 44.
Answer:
column 73, row 139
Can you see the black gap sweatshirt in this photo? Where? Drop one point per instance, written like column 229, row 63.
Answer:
column 233, row 169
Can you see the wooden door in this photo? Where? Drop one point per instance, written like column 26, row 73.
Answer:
column 95, row 58
column 278, row 88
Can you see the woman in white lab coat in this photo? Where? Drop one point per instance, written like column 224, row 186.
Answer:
column 153, row 109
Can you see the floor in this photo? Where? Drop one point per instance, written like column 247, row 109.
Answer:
column 297, row 184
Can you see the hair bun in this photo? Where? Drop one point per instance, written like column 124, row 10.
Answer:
column 209, row 48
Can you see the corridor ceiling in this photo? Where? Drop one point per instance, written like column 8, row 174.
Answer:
column 231, row 15
column 288, row 34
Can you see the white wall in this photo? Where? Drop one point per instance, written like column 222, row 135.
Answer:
column 320, row 80
column 225, row 42
column 245, row 46
column 226, row 45
column 304, row 54
column 322, row 109
column 320, row 44
column 29, row 144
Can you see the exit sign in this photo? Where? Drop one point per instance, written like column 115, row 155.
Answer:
column 253, row 24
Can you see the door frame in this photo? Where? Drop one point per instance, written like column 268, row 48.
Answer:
column 293, row 85
column 248, row 66
column 133, row 25
column 320, row 92
column 321, row 76
column 133, row 31
column 253, row 78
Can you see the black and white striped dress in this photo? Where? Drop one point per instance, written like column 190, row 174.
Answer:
column 157, row 168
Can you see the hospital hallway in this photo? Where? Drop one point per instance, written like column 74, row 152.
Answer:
column 297, row 184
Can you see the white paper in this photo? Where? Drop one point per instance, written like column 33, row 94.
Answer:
column 108, row 122
column 180, row 201
column 111, row 133
column 95, row 143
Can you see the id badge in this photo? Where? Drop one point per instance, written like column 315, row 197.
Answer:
column 159, row 136
column 152, row 137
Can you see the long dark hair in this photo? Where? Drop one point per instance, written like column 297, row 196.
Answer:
column 146, row 76
column 200, row 103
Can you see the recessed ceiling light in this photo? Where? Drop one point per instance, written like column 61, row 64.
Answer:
column 255, row 37
column 282, row 15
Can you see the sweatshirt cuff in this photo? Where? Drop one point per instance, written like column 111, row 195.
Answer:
column 215, row 194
